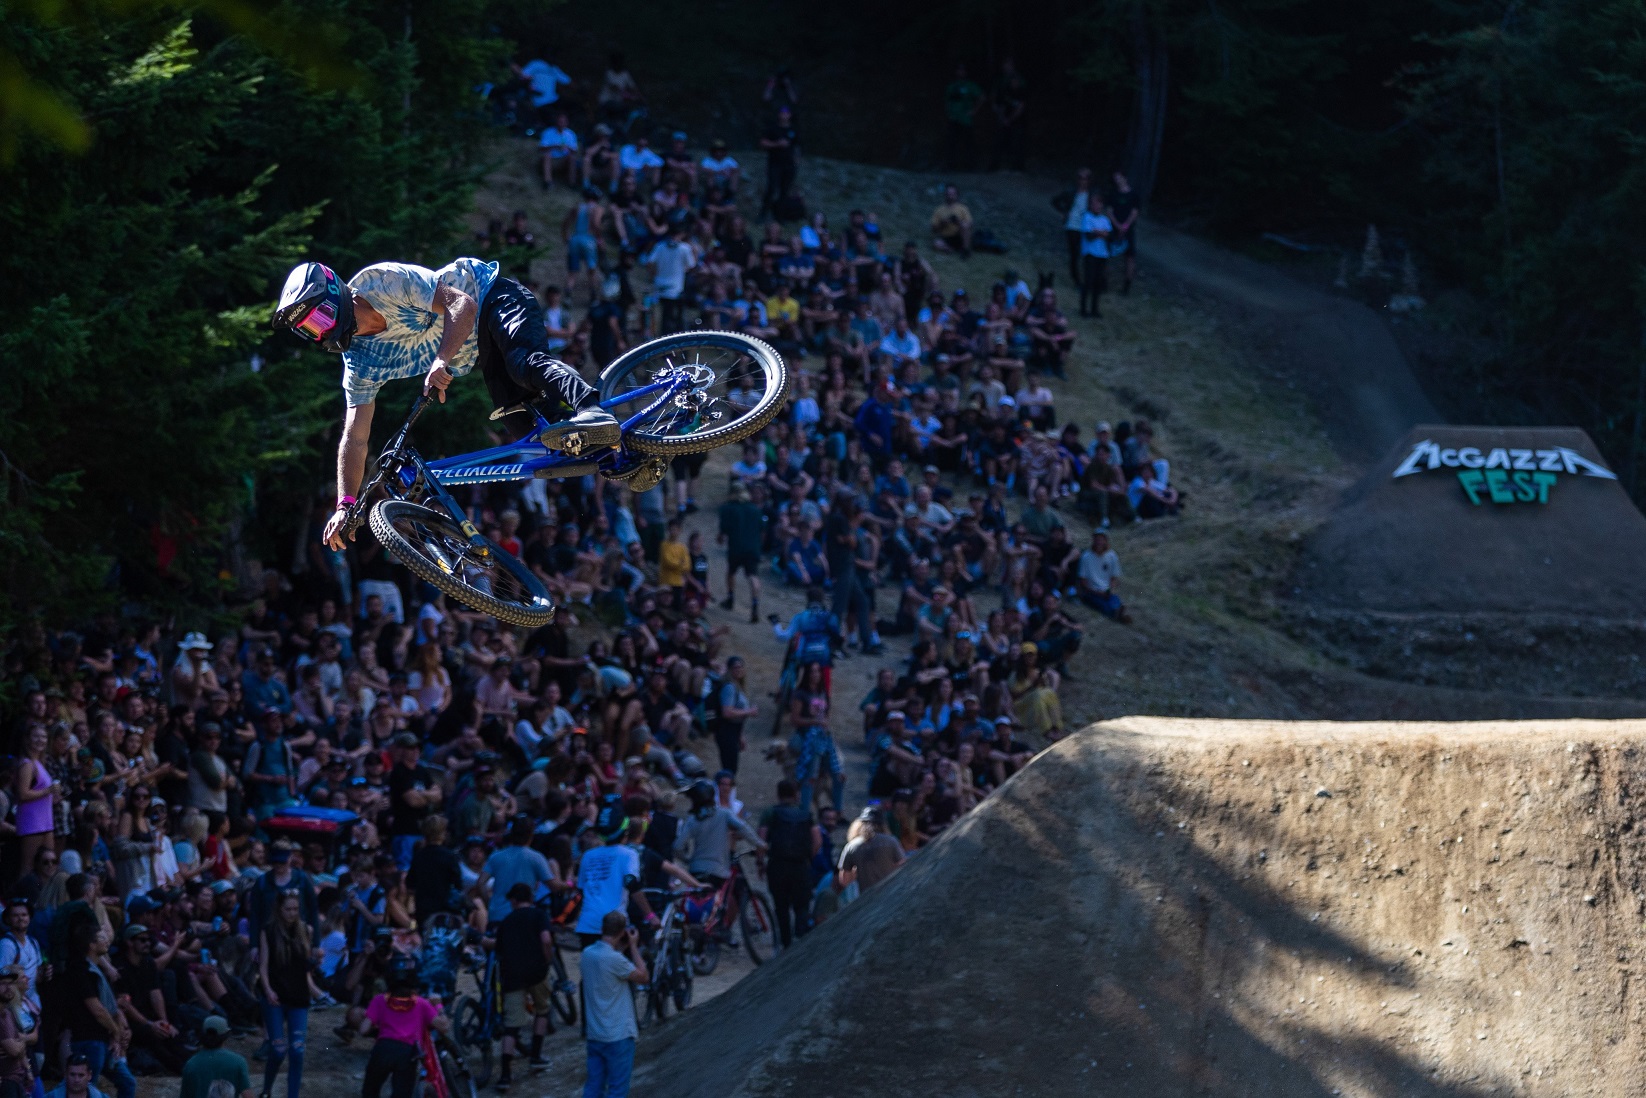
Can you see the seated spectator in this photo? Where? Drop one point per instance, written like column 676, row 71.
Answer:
column 679, row 164
column 637, row 157
column 1149, row 498
column 1103, row 491
column 1099, row 569
column 804, row 561
column 721, row 167
column 952, row 224
column 560, row 155
column 901, row 345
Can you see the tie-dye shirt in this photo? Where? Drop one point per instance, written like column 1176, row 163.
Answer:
column 404, row 294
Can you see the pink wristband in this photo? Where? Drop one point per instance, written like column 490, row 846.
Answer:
column 346, row 501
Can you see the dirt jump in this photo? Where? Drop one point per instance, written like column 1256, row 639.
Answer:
column 1467, row 552
column 1183, row 907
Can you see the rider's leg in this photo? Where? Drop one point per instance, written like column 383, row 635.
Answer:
column 514, row 347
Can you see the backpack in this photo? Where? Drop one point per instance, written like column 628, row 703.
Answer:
column 789, row 832
column 709, row 706
column 815, row 637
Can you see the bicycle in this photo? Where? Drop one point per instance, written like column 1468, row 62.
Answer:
column 444, row 1068
column 685, row 385
column 672, row 978
column 477, row 1020
column 734, row 899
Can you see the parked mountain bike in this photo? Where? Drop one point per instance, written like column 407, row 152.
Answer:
column 445, row 1073
column 672, row 978
column 737, row 904
column 681, row 394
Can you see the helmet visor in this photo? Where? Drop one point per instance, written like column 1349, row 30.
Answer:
column 320, row 320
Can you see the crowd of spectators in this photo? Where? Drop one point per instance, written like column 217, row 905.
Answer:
column 920, row 488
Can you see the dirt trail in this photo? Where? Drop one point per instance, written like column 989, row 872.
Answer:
column 1181, row 907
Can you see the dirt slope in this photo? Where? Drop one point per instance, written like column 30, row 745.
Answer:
column 1170, row 907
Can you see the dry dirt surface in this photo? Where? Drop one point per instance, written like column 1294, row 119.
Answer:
column 1175, row 907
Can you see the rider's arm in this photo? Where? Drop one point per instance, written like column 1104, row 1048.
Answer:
column 460, row 312
column 351, row 449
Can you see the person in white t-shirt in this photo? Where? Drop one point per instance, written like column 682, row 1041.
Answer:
column 1074, row 222
column 559, row 145
column 1099, row 568
column 670, row 260
column 720, row 167
column 900, row 344
column 1095, row 229
column 639, row 158
column 556, row 321
column 546, row 81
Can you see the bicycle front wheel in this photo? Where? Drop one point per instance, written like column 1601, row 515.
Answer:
column 469, row 1030
column 562, row 992
column 435, row 548
column 733, row 385
column 759, row 926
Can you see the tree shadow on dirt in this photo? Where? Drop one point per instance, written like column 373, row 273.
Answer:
column 1057, row 941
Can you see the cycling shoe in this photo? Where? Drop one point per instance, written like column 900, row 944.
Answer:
column 590, row 429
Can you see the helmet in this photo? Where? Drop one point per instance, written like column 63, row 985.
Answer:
column 317, row 305
column 403, row 973
column 612, row 823
column 702, row 792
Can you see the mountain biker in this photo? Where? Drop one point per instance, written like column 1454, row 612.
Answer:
column 609, row 874
column 524, row 941
column 705, row 836
column 398, row 320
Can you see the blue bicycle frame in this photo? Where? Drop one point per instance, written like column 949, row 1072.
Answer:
column 495, row 466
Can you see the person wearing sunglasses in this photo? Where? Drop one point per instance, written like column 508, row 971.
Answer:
column 398, row 320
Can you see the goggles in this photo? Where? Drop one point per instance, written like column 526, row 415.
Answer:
column 320, row 320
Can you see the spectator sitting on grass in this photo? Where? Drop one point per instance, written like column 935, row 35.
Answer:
column 559, row 145
column 1149, row 498
column 901, row 345
column 952, row 224
column 638, row 157
column 1099, row 569
column 1103, row 493
column 721, row 167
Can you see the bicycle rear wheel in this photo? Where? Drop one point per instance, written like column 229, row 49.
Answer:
column 435, row 548
column 469, row 1030
column 705, row 953
column 759, row 924
column 736, row 387
column 683, row 980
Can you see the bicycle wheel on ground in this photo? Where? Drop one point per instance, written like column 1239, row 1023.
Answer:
column 435, row 548
column 737, row 385
column 759, row 926
column 562, row 992
column 459, row 1081
column 682, row 974
column 469, row 1031
column 660, row 995
column 642, row 1006
column 705, row 953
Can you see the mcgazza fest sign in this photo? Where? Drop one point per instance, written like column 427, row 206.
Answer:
column 1502, row 474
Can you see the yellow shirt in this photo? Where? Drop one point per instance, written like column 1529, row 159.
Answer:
column 950, row 216
column 673, row 562
column 785, row 309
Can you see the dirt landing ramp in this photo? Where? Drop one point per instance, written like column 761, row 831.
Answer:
column 1181, row 907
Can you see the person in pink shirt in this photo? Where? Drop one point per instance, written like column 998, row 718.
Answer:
column 399, row 1018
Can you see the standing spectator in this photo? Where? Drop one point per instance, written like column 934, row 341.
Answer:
column 734, row 709
column 37, row 795
column 619, row 94
column 871, row 854
column 270, row 767
column 961, row 101
column 97, row 1027
column 524, row 941
column 214, row 1063
column 608, row 969
column 514, row 863
column 782, row 145
column 1074, row 220
column 560, row 152
column 780, row 89
column 413, row 794
column 285, row 956
column 794, row 839
column 546, row 81
column 1123, row 210
column 743, row 533
column 1099, row 568
column 670, row 260
column 1008, row 102
column 1096, row 229
column 952, row 224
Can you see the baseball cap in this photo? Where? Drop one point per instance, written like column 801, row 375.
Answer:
column 139, row 905
column 1002, row 720
column 1103, row 425
column 407, row 739
column 215, row 1023
column 134, row 930
column 932, row 469
column 220, row 887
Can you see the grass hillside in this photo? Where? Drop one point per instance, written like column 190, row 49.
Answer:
column 1258, row 467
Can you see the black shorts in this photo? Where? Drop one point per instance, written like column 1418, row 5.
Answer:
column 1131, row 245
column 515, row 360
column 687, row 466
column 748, row 562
